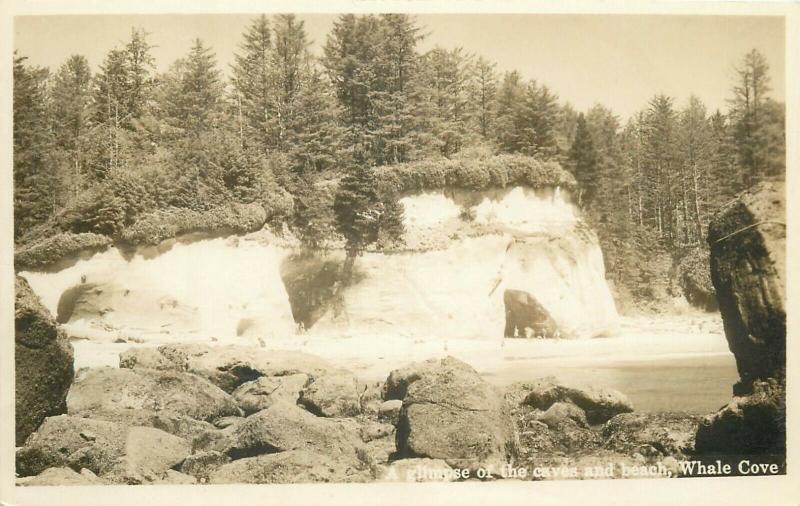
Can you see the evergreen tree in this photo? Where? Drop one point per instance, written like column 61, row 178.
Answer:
column 36, row 190
column 192, row 92
column 695, row 158
column 362, row 212
column 750, row 119
column 583, row 156
column 508, row 99
column 253, row 85
column 71, row 100
column 659, row 168
column 482, row 96
column 444, row 99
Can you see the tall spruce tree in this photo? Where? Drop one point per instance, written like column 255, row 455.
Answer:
column 36, row 190
column 253, row 86
column 70, row 105
column 583, row 156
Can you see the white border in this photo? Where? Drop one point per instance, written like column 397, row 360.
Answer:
column 753, row 490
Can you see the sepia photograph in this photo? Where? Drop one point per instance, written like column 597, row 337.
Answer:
column 387, row 247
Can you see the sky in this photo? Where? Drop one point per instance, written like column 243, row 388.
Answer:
column 620, row 61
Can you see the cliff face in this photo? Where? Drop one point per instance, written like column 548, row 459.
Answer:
column 473, row 264
column 467, row 255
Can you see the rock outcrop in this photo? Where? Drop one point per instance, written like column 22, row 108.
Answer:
column 112, row 451
column 753, row 424
column 748, row 269
column 43, row 361
column 283, row 427
column 297, row 466
column 451, row 413
column 599, row 404
column 58, row 476
column 263, row 392
column 228, row 367
column 333, row 395
column 108, row 393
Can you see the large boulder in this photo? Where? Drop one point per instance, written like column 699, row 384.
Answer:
column 296, row 466
column 202, row 465
column 561, row 412
column 263, row 392
column 748, row 269
column 651, row 434
column 754, row 424
column 599, row 404
column 112, row 451
column 43, row 361
column 124, row 394
column 56, row 476
column 451, row 413
column 283, row 427
column 333, row 395
column 228, row 367
column 396, row 385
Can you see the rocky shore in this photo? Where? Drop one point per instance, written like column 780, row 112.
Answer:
column 197, row 414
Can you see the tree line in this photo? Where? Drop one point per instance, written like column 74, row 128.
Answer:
column 94, row 150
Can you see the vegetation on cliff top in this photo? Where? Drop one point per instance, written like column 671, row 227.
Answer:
column 49, row 250
column 477, row 173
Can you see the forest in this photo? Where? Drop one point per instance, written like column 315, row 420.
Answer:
column 106, row 153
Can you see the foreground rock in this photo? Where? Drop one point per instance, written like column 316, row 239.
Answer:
column 748, row 269
column 284, row 427
column 62, row 476
column 297, row 466
column 333, row 395
column 263, row 392
column 651, row 434
column 228, row 367
column 115, row 452
column 123, row 395
column 599, row 404
column 450, row 413
column 754, row 424
column 43, row 361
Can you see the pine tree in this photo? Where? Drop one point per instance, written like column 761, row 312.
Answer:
column 695, row 158
column 192, row 92
column 444, row 102
column 583, row 156
column 253, row 87
column 750, row 120
column 316, row 140
column 36, row 190
column 371, row 61
column 362, row 212
column 71, row 100
column 482, row 96
column 660, row 165
column 289, row 68
column 508, row 101
column 140, row 66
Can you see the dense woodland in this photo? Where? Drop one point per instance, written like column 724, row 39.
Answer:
column 96, row 151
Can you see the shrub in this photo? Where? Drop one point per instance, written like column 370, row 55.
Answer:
column 694, row 277
column 154, row 227
column 50, row 250
column 474, row 174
